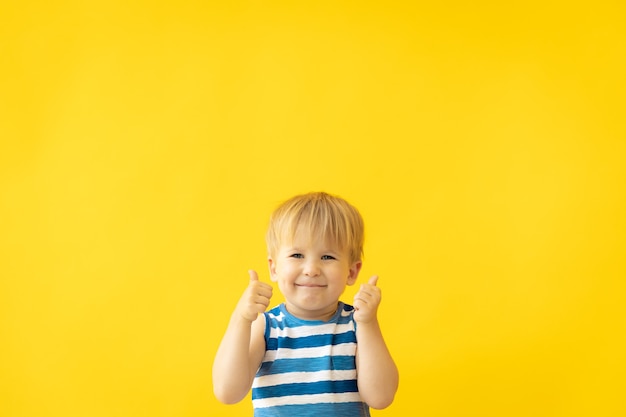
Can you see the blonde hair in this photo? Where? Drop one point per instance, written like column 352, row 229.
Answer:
column 324, row 216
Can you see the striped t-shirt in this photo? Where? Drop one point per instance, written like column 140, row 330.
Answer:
column 309, row 368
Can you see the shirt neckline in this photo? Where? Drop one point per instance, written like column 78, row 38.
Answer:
column 334, row 318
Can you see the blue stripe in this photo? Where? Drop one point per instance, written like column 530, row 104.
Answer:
column 325, row 363
column 311, row 341
column 305, row 388
column 315, row 410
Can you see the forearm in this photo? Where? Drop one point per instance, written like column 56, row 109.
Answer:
column 231, row 367
column 377, row 372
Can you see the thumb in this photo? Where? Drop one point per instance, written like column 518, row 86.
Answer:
column 373, row 280
column 253, row 275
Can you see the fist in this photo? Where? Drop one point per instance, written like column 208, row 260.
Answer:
column 366, row 301
column 255, row 298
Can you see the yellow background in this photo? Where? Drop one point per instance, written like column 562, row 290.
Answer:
column 144, row 145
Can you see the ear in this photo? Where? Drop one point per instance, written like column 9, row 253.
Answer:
column 272, row 266
column 354, row 272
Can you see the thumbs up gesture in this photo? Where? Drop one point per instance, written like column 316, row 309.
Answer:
column 366, row 301
column 255, row 298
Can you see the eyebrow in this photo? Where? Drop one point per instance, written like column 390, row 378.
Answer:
column 336, row 251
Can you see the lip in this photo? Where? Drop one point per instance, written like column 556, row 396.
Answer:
column 311, row 285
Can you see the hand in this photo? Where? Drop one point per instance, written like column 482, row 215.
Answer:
column 366, row 301
column 255, row 298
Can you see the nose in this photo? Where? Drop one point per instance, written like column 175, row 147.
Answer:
column 311, row 268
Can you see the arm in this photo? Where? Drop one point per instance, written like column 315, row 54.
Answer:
column 243, row 345
column 377, row 374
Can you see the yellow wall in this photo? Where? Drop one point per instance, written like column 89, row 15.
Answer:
column 143, row 147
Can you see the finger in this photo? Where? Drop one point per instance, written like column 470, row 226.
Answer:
column 363, row 298
column 363, row 295
column 373, row 280
column 264, row 290
column 253, row 275
column 262, row 301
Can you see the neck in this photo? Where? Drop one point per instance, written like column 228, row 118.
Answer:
column 316, row 315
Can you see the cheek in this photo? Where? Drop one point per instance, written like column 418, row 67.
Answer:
column 339, row 274
column 285, row 271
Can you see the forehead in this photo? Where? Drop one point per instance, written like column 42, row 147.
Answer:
column 306, row 237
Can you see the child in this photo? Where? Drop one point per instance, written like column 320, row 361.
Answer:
column 301, row 358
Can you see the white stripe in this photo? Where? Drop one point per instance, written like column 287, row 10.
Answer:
column 279, row 317
column 344, row 349
column 301, row 331
column 303, row 377
column 345, row 397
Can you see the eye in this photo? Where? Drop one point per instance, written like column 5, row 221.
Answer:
column 296, row 255
column 327, row 257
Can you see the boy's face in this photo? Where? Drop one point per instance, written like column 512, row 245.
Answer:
column 312, row 275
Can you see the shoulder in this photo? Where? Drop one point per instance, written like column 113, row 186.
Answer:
column 275, row 318
column 259, row 325
column 346, row 307
column 266, row 321
column 276, row 314
column 345, row 312
column 275, row 311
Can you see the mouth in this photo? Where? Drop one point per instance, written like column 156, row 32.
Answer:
column 310, row 286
